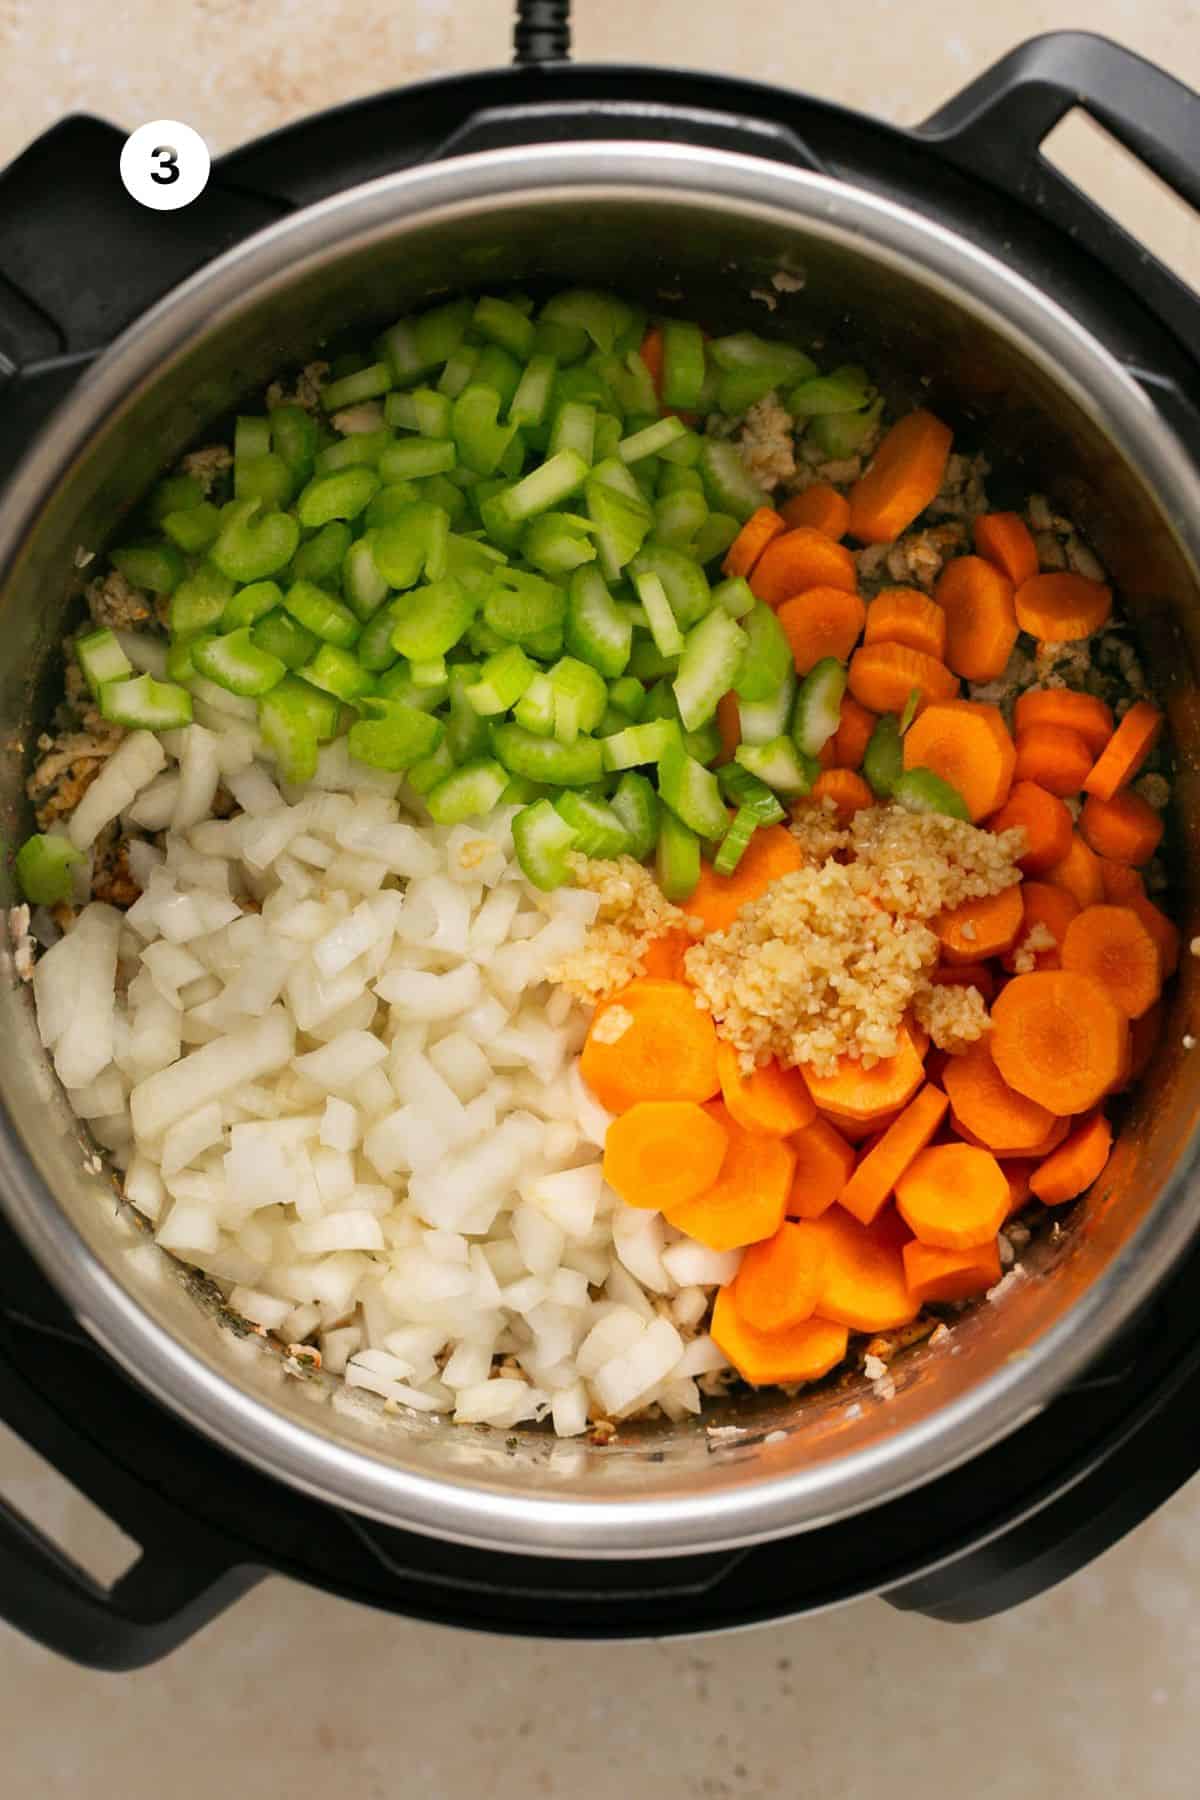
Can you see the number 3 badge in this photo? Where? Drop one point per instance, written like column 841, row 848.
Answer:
column 164, row 164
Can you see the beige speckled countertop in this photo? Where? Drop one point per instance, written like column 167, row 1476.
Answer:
column 1088, row 1690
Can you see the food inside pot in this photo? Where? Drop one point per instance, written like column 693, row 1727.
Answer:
column 582, row 862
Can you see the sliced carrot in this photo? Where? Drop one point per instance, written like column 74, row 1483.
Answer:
column 771, row 1100
column 980, row 928
column 934, row 1274
column 1053, row 908
column 1003, row 1121
column 1051, row 1141
column 850, row 740
column 824, row 1164
column 1076, row 1163
column 1164, row 933
column 1114, row 947
column 1017, row 1172
column 826, row 756
column 1144, row 1034
column 652, row 355
column 862, row 1281
column 907, row 616
column 663, row 1152
column 779, row 1280
column 1055, row 757
column 747, row 1200
column 883, row 676
column 953, row 1196
column 729, row 725
column 870, row 1187
column 981, row 622
column 1043, row 818
column 1122, row 885
column 801, row 559
column 803, row 1352
column 1078, row 872
column 1058, row 1037
column 1130, row 745
column 662, row 959
column 716, row 899
column 820, row 622
column 974, row 974
column 903, row 477
column 1062, row 607
column 752, row 540
column 848, row 791
column 821, row 508
column 864, row 1096
column 1005, row 540
column 1126, row 828
column 967, row 743
column 650, row 1041
column 1084, row 714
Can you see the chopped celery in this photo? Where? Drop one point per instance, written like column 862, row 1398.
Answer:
column 102, row 659
column 364, row 384
column 622, row 519
column 458, row 371
column 677, row 857
column 362, row 584
column 252, row 544
column 542, row 838
column 265, row 478
column 502, row 680
column 556, row 479
column 282, row 636
column 628, row 695
column 289, row 732
column 574, row 429
column 195, row 528
column 250, row 604
column 736, row 841
column 479, row 439
column 714, row 536
column 602, row 316
column 749, row 794
column 920, row 790
column 596, row 630
column 534, row 711
column 683, row 452
column 678, row 516
column 558, row 542
column 565, row 343
column 44, row 864
column 780, row 765
column 692, row 792
column 580, row 698
column 320, row 558
column 712, row 655
column 431, row 619
column 761, row 720
column 294, row 436
column 414, row 542
column 180, row 667
column 399, row 683
column 744, row 350
column 768, row 659
column 519, row 606
column 730, row 489
column 842, row 434
column 636, row 805
column 235, row 662
column 883, row 760
column 646, row 660
column 650, row 439
column 597, row 827
column 496, row 369
column 467, row 793
column 847, row 390
column 157, row 567
column 739, row 389
column 426, row 773
column 544, row 759
column 321, row 614
column 415, row 457
column 734, row 596
column 466, row 730
column 664, row 628
column 177, row 493
column 422, row 410
column 144, row 704
column 392, row 735
column 817, row 712
column 501, row 323
column 341, row 495
column 362, row 449
column 391, row 502
column 336, row 672
column 640, row 744
column 685, row 581
column 683, row 363
column 532, row 398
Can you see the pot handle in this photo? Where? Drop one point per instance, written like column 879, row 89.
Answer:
column 994, row 129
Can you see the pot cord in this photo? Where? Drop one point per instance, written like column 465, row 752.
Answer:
column 542, row 33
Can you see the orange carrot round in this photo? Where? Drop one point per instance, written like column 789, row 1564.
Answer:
column 848, row 791
column 1043, row 818
column 934, row 1274
column 662, row 959
column 863, row 1096
column 1076, row 1163
column 1053, row 756
column 824, row 1164
column 1005, row 540
column 821, row 508
column 1084, row 714
column 953, row 1196
column 779, row 1279
column 966, row 742
column 1005, row 1122
column 1062, row 607
column 1130, row 745
column 907, row 616
column 879, row 1168
column 1017, row 1173
column 981, row 928
column 850, row 740
column 1144, row 1034
column 1051, row 907
column 1078, row 872
column 883, row 676
column 803, row 1352
column 1058, row 1037
column 820, row 622
column 1122, row 885
column 752, row 540
column 903, row 477
column 729, row 725
column 663, row 1152
column 747, row 1200
column 862, row 1279
column 981, row 622
column 1164, row 933
column 1114, row 947
column 650, row 1041
column 716, row 899
column 772, row 1100
column 1125, row 828
column 801, row 559
column 974, row 974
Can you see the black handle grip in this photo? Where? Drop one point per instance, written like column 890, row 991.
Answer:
column 994, row 129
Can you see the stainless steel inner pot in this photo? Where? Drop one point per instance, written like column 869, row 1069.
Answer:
column 704, row 230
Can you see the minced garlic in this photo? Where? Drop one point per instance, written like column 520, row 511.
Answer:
column 633, row 912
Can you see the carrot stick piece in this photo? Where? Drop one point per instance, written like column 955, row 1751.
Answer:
column 779, row 1279
column 1114, row 947
column 1125, row 828
column 1053, row 756
column 953, row 1196
column 882, row 676
column 903, row 477
column 1062, row 607
column 870, row 1187
column 906, row 616
column 1084, row 714
column 850, row 740
column 752, row 540
column 663, row 1152
column 650, row 1041
column 652, row 353
column 981, row 621
column 1076, row 1163
column 863, row 1096
column 824, row 1164
column 771, row 1100
column 848, row 791
column 1005, row 540
column 822, row 621
column 1043, row 818
column 936, row 1274
column 862, row 1281
column 1058, row 1038
column 746, row 1202
column 1005, row 1122
column 1130, row 745
column 662, row 959
column 803, row 1352
column 1051, row 908
column 716, row 899
column 1078, row 872
column 821, row 508
column 967, row 743
column 729, row 724
column 801, row 559
column 1051, row 1141
column 980, row 928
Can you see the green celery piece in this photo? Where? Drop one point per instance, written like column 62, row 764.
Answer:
column 519, row 606
column 253, row 544
column 780, row 765
column 842, row 434
column 641, row 744
column 362, row 449
column 543, row 759
column 199, row 601
column 341, row 495
column 102, row 659
column 683, row 363
column 501, row 323
column 627, row 694
column 745, row 350
column 728, row 486
column 847, row 390
column 531, row 401
column 760, row 721
column 580, row 698
column 767, row 661
column 714, row 536
column 598, row 829
column 603, row 316
column 393, row 735
column 321, row 614
column 322, row 555
column 739, row 389
column 503, row 678
column 622, row 520
column 817, row 713
column 235, row 662
column 920, row 790
column 534, row 711
column 749, row 794
column 144, row 704
column 363, row 587
column 159, row 568
column 469, row 792
column 883, row 760
column 391, row 502
column 692, row 792
column 650, row 439
column 414, row 458
column 574, row 428
column 565, row 344
column 250, row 604
column 289, row 734
column 265, row 478
column 555, row 480
column 682, row 577
column 596, row 630
column 426, row 773
column 542, row 839
column 176, row 493
column 363, row 384
column 336, row 672
column 558, row 543
column 193, row 529
column 677, row 857
column 480, row 441
column 295, row 436
column 432, row 619
column 412, row 543
column 398, row 683
column 664, row 627
column 678, row 516
column 736, row 841
column 43, row 867
column 636, row 805
column 713, row 652
column 280, row 635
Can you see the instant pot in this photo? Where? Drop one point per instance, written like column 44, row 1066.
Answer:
column 962, row 268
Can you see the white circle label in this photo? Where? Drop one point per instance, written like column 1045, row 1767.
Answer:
column 164, row 164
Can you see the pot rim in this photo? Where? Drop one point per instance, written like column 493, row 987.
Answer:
column 454, row 1508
